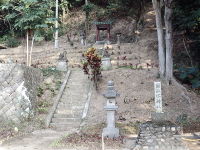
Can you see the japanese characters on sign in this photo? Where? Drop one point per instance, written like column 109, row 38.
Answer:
column 158, row 97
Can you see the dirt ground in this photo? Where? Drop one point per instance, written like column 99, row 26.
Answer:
column 136, row 86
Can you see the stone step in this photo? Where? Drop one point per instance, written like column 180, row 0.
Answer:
column 78, row 81
column 68, row 96
column 68, row 111
column 63, row 127
column 73, row 98
column 66, row 120
column 70, row 106
column 65, row 116
column 81, row 76
column 77, row 84
column 76, row 101
column 76, row 89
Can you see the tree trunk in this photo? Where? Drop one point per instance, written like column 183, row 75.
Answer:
column 169, row 40
column 86, row 23
column 31, row 51
column 63, row 12
column 56, row 26
column 27, row 48
column 160, row 33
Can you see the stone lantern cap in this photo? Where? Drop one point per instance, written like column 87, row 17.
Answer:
column 110, row 92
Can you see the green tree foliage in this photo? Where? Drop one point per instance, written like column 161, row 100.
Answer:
column 190, row 76
column 187, row 21
column 187, row 15
column 28, row 14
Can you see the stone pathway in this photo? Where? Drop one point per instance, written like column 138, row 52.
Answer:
column 192, row 140
column 72, row 104
column 67, row 118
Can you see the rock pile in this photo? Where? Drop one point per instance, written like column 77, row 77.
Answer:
column 159, row 136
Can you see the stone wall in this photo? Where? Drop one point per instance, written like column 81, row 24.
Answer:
column 164, row 136
column 18, row 92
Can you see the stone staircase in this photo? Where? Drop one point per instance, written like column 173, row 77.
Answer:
column 69, row 112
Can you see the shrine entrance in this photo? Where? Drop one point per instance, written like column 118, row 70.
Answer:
column 102, row 26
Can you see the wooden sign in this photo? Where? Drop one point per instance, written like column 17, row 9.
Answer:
column 158, row 97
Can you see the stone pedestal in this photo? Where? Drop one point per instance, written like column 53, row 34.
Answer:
column 106, row 64
column 158, row 117
column 111, row 131
column 83, row 40
column 118, row 39
column 62, row 65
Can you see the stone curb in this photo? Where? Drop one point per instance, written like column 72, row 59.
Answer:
column 87, row 104
column 56, row 100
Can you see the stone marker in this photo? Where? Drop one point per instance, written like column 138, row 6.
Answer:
column 158, row 97
column 111, row 131
column 106, row 64
column 158, row 115
column 62, row 62
column 118, row 39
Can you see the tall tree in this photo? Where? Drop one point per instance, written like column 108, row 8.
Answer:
column 160, row 33
column 169, row 39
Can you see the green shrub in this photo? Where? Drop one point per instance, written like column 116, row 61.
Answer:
column 42, row 110
column 182, row 119
column 3, row 39
column 49, row 34
column 12, row 42
column 42, row 107
column 58, row 84
column 62, row 30
column 190, row 76
column 47, row 72
column 40, row 91
column 44, row 34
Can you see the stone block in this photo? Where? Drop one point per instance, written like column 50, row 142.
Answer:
column 62, row 66
column 106, row 64
column 111, row 132
column 17, row 90
column 158, row 117
column 8, row 99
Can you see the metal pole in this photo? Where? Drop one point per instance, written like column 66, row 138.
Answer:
column 56, row 26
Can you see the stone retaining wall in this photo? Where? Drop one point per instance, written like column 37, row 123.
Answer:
column 165, row 136
column 18, row 92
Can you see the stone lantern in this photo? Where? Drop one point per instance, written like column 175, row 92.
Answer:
column 118, row 38
column 111, row 131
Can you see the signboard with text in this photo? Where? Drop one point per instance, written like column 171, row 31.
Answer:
column 158, row 97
